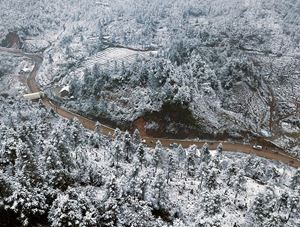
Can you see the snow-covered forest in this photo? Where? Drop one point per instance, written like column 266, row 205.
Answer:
column 204, row 69
column 56, row 173
column 231, row 66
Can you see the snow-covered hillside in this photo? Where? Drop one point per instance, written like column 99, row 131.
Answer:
column 232, row 66
column 217, row 69
column 55, row 173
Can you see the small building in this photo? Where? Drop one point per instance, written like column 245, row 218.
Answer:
column 65, row 91
column 34, row 96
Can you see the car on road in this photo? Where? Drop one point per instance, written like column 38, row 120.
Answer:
column 257, row 147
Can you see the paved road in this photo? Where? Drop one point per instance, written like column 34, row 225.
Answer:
column 267, row 152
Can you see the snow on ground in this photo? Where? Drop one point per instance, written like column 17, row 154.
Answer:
column 35, row 45
column 111, row 56
column 13, row 73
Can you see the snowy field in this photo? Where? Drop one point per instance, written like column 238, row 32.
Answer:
column 13, row 73
column 111, row 56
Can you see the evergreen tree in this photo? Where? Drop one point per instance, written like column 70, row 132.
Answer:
column 220, row 150
column 294, row 206
column 191, row 160
column 110, row 208
column 239, row 184
column 295, row 183
column 263, row 207
column 171, row 170
column 231, row 172
column 95, row 139
column 26, row 164
column 158, row 195
column 136, row 138
column 211, row 181
column 73, row 209
column 212, row 204
column 98, row 128
column 141, row 155
column 158, row 156
column 181, row 153
column 117, row 145
column 205, row 153
column 127, row 147
column 75, row 132
column 117, row 154
column 8, row 152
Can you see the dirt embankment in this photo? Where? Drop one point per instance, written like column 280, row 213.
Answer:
column 173, row 120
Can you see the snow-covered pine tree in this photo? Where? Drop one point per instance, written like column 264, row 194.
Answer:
column 220, row 150
column 158, row 156
column 212, row 203
column 211, row 180
column 171, row 170
column 205, row 154
column 127, row 147
column 141, row 154
column 73, row 208
column 295, row 183
column 181, row 153
column 136, row 137
column 191, row 160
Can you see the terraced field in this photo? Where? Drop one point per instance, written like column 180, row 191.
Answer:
column 116, row 55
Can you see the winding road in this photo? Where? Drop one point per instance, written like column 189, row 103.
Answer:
column 268, row 152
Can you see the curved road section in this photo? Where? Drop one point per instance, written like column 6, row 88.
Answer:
column 267, row 152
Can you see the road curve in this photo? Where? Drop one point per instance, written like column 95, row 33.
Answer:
column 267, row 152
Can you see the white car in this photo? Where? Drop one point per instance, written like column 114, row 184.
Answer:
column 257, row 147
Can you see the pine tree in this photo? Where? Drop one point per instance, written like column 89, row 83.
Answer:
column 134, row 181
column 117, row 145
column 220, row 150
column 73, row 209
column 171, row 167
column 158, row 156
column 181, row 153
column 211, row 181
column 295, row 183
column 128, row 147
column 158, row 195
column 141, row 155
column 95, row 139
column 74, row 133
column 117, row 134
column 191, row 160
column 239, row 184
column 8, row 151
column 264, row 206
column 110, row 208
column 98, row 128
column 231, row 173
column 294, row 205
column 117, row 155
column 283, row 201
column 212, row 204
column 205, row 153
column 136, row 138
column 27, row 164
